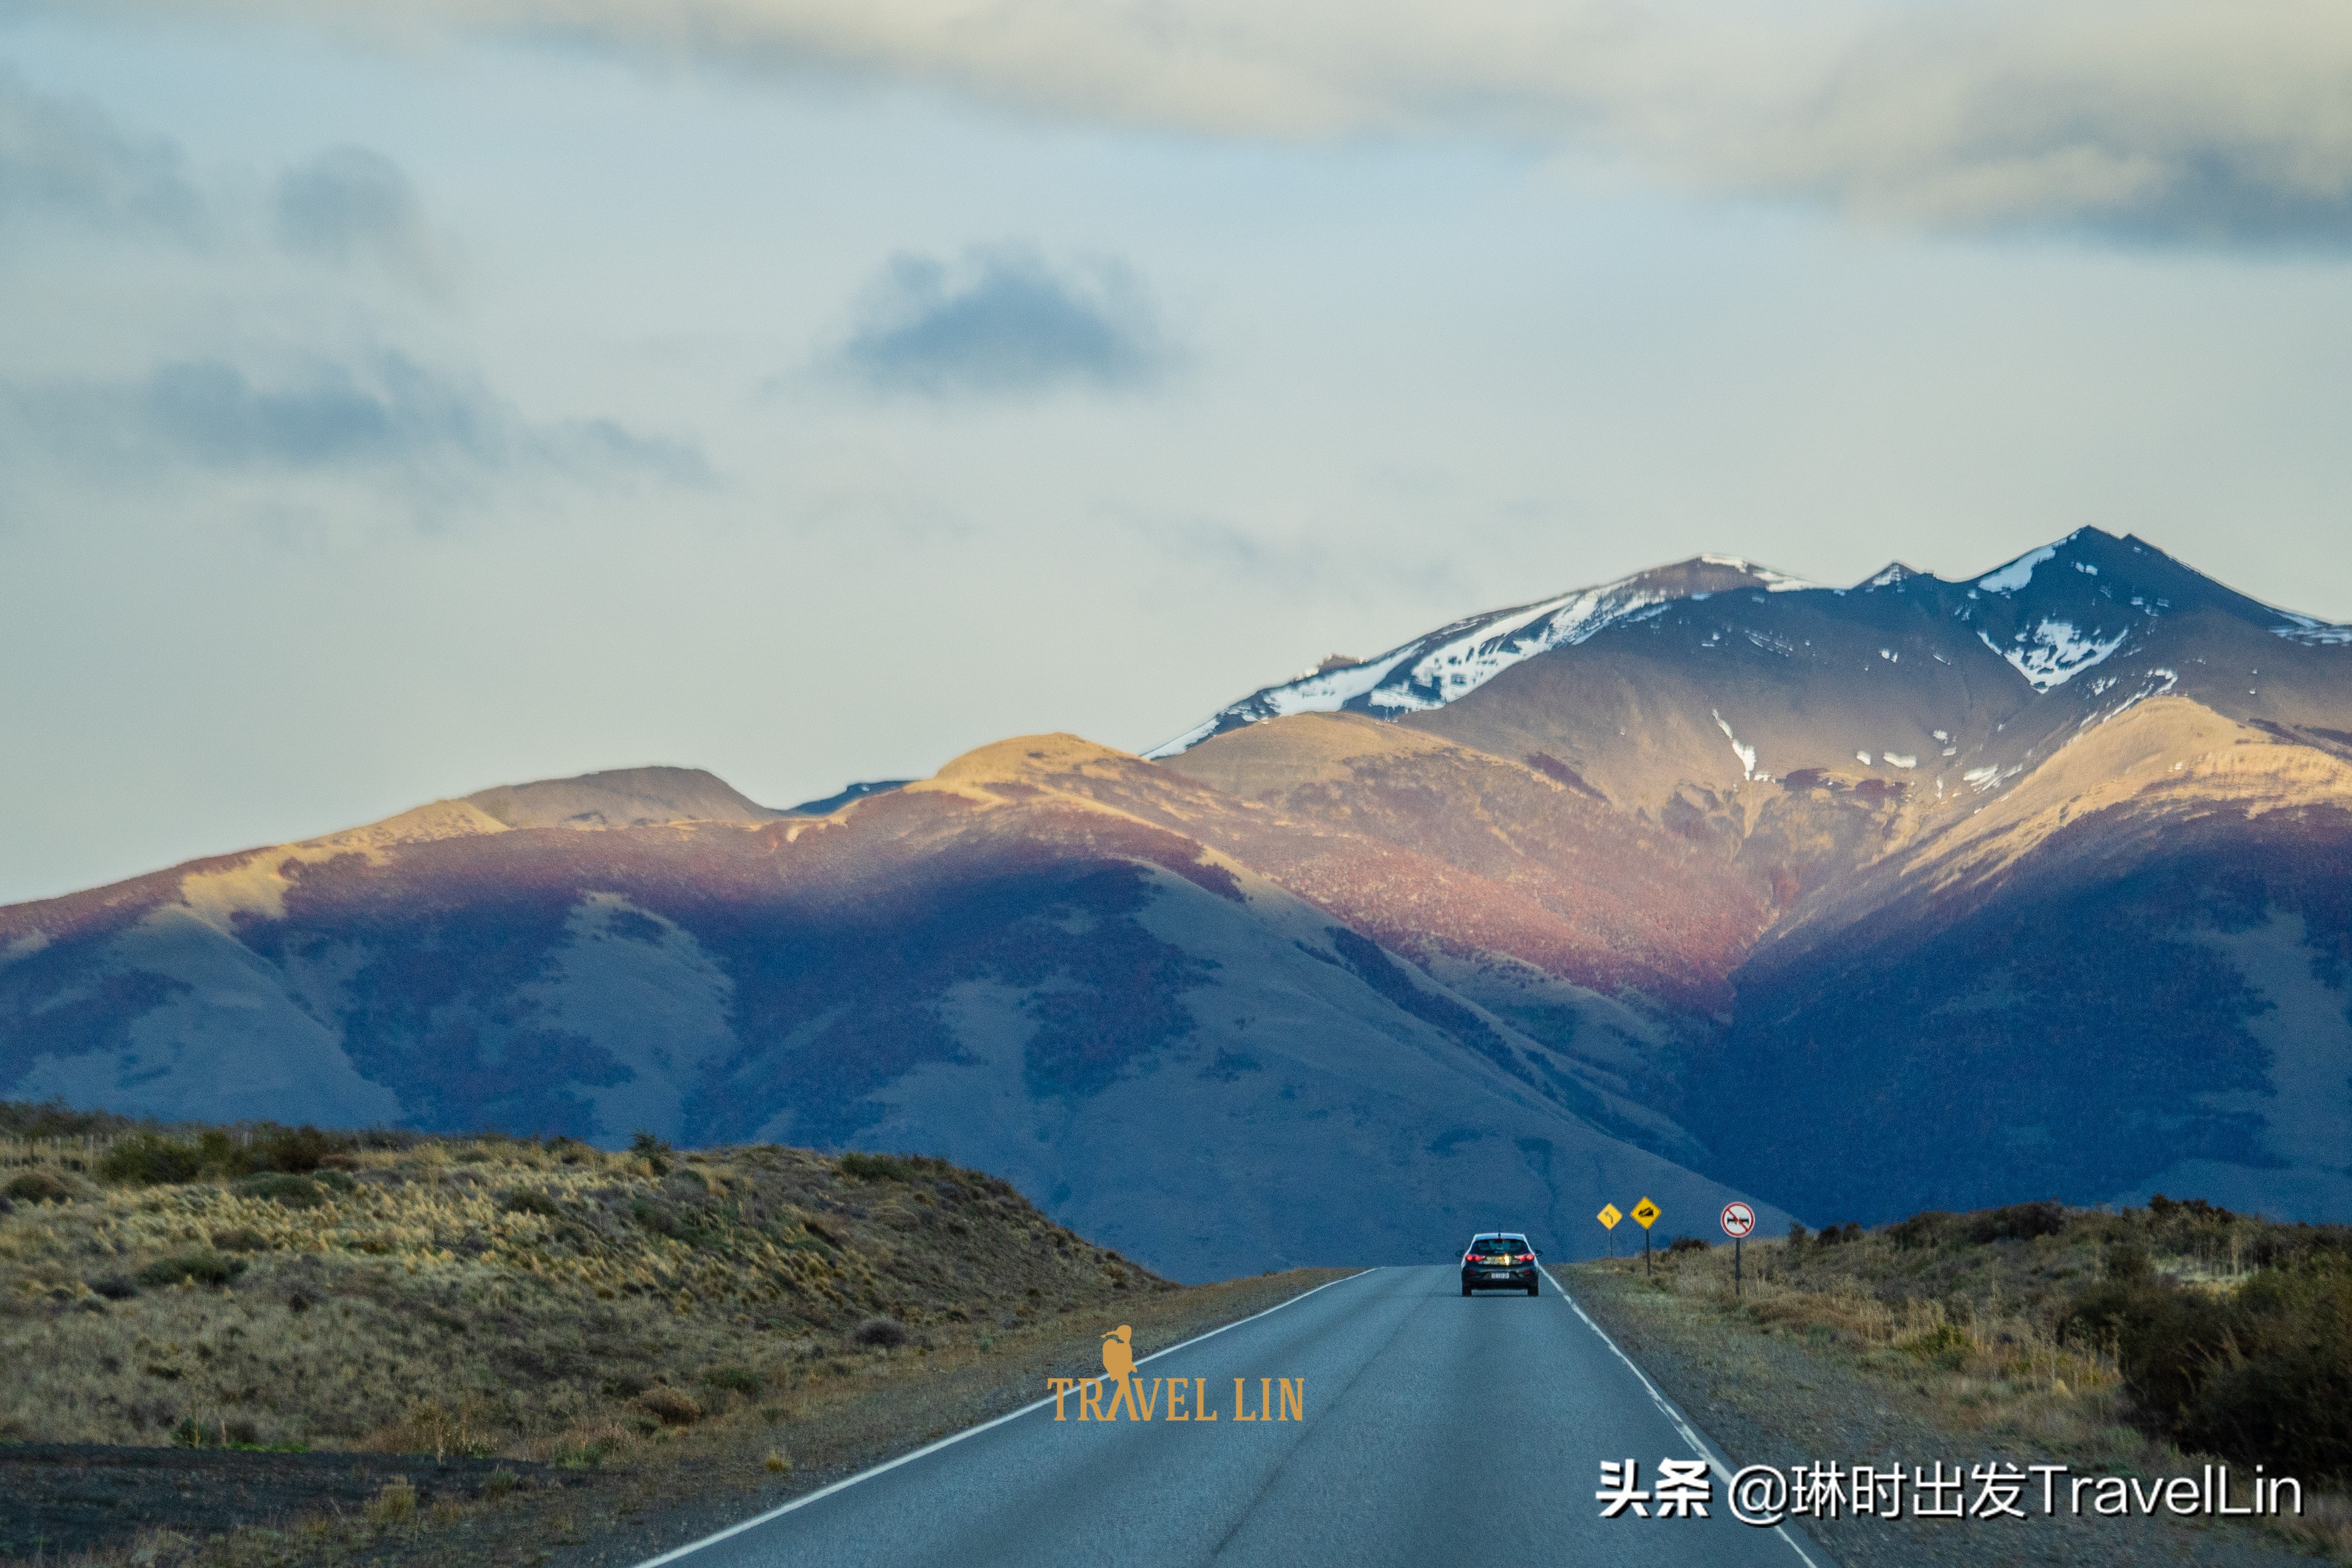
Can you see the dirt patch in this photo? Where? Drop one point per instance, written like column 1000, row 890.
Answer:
column 58, row 1498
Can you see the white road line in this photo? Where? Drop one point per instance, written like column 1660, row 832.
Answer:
column 1699, row 1444
column 779, row 1512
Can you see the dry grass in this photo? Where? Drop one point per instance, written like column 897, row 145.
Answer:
column 487, row 1296
column 659, row 1327
column 1974, row 1332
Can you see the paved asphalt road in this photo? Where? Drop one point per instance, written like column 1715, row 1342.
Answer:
column 1437, row 1430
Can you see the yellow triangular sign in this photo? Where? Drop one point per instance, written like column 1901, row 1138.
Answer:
column 1608, row 1216
column 1645, row 1214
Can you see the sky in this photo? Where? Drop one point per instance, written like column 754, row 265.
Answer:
column 391, row 407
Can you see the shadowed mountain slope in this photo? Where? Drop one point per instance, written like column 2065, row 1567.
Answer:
column 1009, row 963
column 1855, row 901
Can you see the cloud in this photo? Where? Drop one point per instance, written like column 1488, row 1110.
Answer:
column 64, row 160
column 2177, row 121
column 1001, row 323
column 386, row 419
column 353, row 204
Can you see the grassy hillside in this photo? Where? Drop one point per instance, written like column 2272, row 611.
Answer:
column 484, row 1295
column 607, row 1352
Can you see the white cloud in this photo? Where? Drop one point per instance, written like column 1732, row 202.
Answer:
column 2164, row 121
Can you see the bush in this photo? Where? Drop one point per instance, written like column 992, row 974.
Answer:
column 670, row 1408
column 147, row 1160
column 876, row 1168
column 2018, row 1221
column 293, row 1192
column 653, row 1152
column 296, row 1150
column 531, row 1200
column 1796, row 1235
column 240, row 1240
column 2279, row 1391
column 203, row 1267
column 740, row 1380
column 40, row 1188
column 1682, row 1244
column 114, row 1287
column 1926, row 1228
column 879, row 1331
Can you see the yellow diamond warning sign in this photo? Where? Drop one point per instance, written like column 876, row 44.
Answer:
column 1608, row 1216
column 1645, row 1214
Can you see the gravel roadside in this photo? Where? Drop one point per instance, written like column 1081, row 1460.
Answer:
column 1776, row 1401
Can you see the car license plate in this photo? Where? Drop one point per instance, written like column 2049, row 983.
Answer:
column 1496, row 1274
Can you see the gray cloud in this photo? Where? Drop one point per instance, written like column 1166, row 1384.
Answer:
column 1002, row 323
column 2175, row 122
column 389, row 419
column 354, row 205
column 61, row 159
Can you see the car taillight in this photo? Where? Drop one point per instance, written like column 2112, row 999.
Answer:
column 1525, row 1257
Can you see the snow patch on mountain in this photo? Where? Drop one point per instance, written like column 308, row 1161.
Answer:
column 1747, row 754
column 2054, row 652
column 2017, row 573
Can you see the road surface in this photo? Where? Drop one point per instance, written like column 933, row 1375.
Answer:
column 1436, row 1430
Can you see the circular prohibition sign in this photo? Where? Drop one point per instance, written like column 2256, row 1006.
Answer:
column 1738, row 1220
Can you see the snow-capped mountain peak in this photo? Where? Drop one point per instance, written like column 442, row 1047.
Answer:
column 1456, row 659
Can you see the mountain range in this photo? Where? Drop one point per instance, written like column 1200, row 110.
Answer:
column 1705, row 883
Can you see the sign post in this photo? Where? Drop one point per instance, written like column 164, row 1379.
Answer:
column 1739, row 1219
column 1645, row 1215
column 1608, row 1216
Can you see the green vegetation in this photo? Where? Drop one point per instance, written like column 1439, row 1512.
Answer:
column 2113, row 1338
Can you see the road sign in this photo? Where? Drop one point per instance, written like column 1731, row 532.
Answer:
column 1645, row 1214
column 1738, row 1220
column 1608, row 1216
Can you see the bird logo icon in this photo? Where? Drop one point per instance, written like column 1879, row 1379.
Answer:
column 1118, row 1354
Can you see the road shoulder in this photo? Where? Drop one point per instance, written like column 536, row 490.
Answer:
column 1771, row 1400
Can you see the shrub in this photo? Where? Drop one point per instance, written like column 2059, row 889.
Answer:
column 241, row 1240
column 2163, row 1337
column 1929, row 1228
column 2279, row 1390
column 204, row 1267
column 147, row 1160
column 531, row 1200
column 777, row 1462
column 652, row 1151
column 40, row 1188
column 876, row 1168
column 1797, row 1234
column 296, row 1150
column 114, row 1287
column 290, row 1191
column 670, row 1408
column 395, row 1504
column 738, row 1379
column 1682, row 1244
column 2018, row 1221
column 879, row 1331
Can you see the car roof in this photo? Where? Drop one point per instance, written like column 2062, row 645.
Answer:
column 1500, row 1235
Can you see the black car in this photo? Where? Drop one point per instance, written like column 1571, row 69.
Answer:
column 1500, row 1260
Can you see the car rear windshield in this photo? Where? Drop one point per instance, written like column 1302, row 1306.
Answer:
column 1500, row 1244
